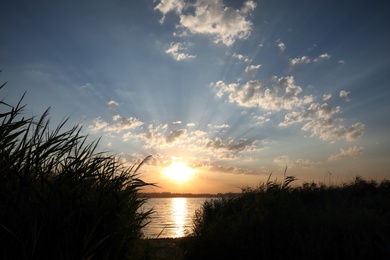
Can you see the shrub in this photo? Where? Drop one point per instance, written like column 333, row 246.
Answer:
column 59, row 198
column 277, row 221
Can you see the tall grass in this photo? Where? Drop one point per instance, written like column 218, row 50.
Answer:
column 59, row 198
column 278, row 221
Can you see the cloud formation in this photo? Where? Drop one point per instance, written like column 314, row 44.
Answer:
column 344, row 95
column 281, row 94
column 231, row 170
column 176, row 50
column 120, row 124
column 175, row 135
column 112, row 104
column 306, row 59
column 324, row 56
column 326, row 97
column 285, row 161
column 224, row 24
column 321, row 121
column 278, row 97
column 300, row 60
column 241, row 57
column 281, row 45
column 231, row 145
column 351, row 152
column 161, row 137
column 251, row 69
column 166, row 6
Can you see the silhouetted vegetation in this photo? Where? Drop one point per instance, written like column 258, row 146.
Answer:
column 59, row 199
column 278, row 221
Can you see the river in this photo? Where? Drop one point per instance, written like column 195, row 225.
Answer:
column 172, row 217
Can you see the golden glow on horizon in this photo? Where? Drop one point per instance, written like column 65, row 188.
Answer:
column 178, row 172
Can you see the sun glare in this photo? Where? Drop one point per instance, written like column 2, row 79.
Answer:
column 178, row 171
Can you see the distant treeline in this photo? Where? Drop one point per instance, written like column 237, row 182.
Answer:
column 187, row 195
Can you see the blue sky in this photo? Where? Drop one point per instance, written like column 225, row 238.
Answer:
column 234, row 89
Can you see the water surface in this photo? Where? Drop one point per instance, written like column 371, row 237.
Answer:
column 172, row 217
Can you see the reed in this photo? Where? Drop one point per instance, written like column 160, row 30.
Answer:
column 312, row 221
column 59, row 198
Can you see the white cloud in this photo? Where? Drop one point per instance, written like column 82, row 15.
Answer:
column 153, row 137
column 160, row 138
column 231, row 170
column 281, row 45
column 355, row 131
column 87, row 85
column 222, row 87
column 282, row 160
column 176, row 50
column 329, row 129
column 321, row 121
column 251, row 69
column 98, row 124
column 165, row 6
column 351, row 152
column 324, row 56
column 221, row 126
column 306, row 59
column 326, row 111
column 344, row 95
column 241, row 57
column 299, row 61
column 341, row 61
column 176, row 123
column 213, row 18
column 116, row 117
column 326, row 97
column 261, row 119
column 112, row 103
column 285, row 161
column 283, row 94
column 122, row 124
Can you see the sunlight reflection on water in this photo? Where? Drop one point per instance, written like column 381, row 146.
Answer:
column 179, row 214
column 172, row 217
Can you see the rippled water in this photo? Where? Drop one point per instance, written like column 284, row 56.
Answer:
column 172, row 217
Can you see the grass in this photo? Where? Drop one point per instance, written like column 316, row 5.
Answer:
column 278, row 221
column 59, row 198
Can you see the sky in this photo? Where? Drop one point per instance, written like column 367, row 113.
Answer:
column 233, row 90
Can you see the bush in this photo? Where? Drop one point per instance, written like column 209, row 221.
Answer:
column 59, row 199
column 277, row 221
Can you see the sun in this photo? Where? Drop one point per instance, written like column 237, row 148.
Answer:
column 179, row 172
